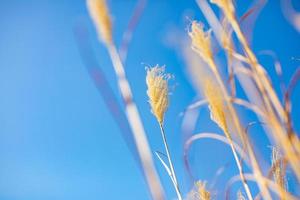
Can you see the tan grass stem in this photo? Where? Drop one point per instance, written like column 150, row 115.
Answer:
column 158, row 93
column 255, row 165
column 173, row 174
column 218, row 110
column 136, row 126
column 100, row 15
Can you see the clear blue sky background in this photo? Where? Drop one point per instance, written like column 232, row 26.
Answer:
column 58, row 139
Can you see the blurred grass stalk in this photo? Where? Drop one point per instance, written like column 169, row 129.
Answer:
column 100, row 15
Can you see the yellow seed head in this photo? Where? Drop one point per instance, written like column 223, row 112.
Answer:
column 216, row 104
column 199, row 192
column 277, row 168
column 100, row 15
column 158, row 92
column 201, row 41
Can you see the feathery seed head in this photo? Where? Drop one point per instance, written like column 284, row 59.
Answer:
column 216, row 105
column 201, row 41
column 158, row 92
column 278, row 168
column 204, row 194
column 199, row 192
column 100, row 15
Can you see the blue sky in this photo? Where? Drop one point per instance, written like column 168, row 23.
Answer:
column 57, row 137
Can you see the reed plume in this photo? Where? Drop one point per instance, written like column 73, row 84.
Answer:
column 157, row 83
column 217, row 94
column 201, row 41
column 216, row 105
column 278, row 170
column 234, row 120
column 199, row 192
column 158, row 93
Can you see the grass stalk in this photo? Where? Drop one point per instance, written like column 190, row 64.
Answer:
column 266, row 88
column 173, row 175
column 136, row 126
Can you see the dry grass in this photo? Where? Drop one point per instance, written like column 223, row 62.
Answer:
column 199, row 192
column 278, row 170
column 244, row 68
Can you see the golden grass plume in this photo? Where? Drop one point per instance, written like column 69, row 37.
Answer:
column 158, row 91
column 100, row 15
column 216, row 103
column 199, row 192
column 201, row 41
column 278, row 170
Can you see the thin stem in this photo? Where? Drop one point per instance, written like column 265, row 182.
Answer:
column 136, row 126
column 173, row 175
column 239, row 165
column 254, row 162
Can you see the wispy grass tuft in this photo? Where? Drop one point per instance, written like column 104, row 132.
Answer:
column 199, row 192
column 158, row 91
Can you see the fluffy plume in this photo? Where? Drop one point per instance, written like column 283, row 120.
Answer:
column 158, row 92
column 278, row 168
column 201, row 41
column 199, row 192
column 100, row 15
column 216, row 105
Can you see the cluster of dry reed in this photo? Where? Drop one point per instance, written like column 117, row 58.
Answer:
column 244, row 69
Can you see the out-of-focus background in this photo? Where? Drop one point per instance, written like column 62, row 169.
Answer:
column 59, row 141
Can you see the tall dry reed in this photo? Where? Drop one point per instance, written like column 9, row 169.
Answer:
column 100, row 15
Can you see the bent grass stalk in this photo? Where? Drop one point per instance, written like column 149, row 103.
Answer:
column 214, row 136
column 268, row 94
column 279, row 191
